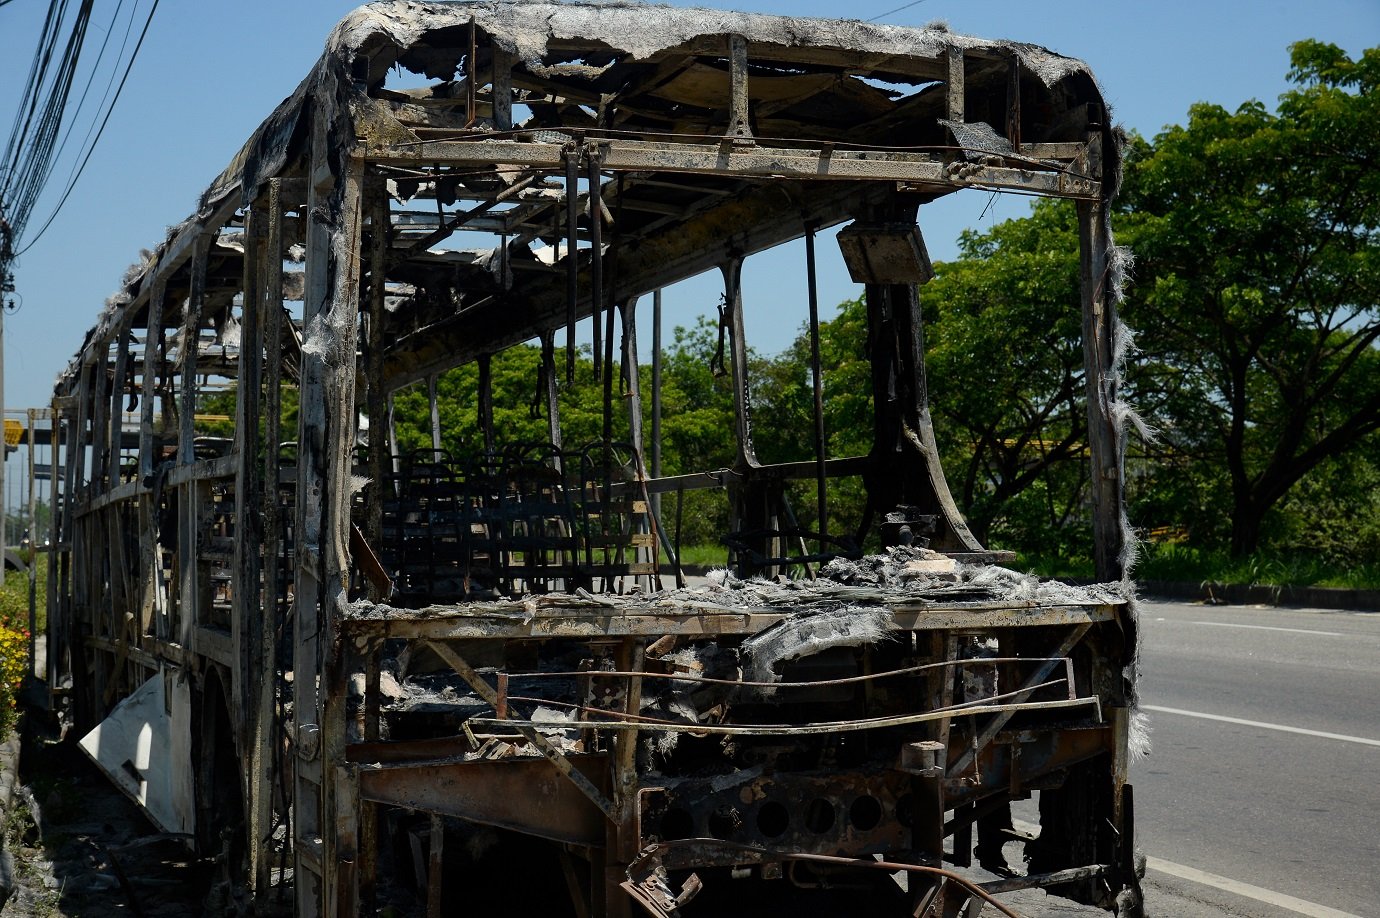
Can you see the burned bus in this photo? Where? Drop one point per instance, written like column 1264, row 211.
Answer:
column 362, row 677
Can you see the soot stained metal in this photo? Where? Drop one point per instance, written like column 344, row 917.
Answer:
column 409, row 678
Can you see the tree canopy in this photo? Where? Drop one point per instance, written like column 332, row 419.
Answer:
column 1006, row 378
column 1257, row 289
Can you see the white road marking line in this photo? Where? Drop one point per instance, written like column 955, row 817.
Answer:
column 1269, row 628
column 1226, row 884
column 1364, row 741
column 1259, row 894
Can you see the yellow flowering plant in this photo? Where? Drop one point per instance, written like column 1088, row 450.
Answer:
column 14, row 646
column 14, row 654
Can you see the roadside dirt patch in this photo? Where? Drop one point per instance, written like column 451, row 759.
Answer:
column 81, row 847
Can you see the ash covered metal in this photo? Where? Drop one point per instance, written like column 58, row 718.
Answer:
column 845, row 607
column 899, row 575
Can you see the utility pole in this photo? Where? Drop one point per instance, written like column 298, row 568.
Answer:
column 6, row 288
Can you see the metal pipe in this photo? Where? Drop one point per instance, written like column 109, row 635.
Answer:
column 471, row 74
column 825, row 727
column 656, row 393
column 435, row 413
column 672, row 549
column 817, row 380
column 553, row 410
column 680, row 513
column 815, row 683
column 596, row 254
column 486, row 402
column 393, row 448
column 572, row 266
column 608, row 372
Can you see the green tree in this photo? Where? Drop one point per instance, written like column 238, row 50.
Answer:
column 519, row 406
column 784, row 402
column 697, row 405
column 1005, row 372
column 788, row 392
column 697, row 430
column 1258, row 283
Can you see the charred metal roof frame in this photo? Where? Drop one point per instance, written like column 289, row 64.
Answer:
column 830, row 90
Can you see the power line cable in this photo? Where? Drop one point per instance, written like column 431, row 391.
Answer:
column 39, row 163
column 29, row 154
column 38, row 70
column 104, row 121
column 91, row 78
column 897, row 10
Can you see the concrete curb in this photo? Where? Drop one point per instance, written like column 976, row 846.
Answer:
column 9, row 787
column 1245, row 594
column 9, row 770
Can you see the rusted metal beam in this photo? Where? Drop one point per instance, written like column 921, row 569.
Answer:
column 502, row 87
column 435, row 874
column 955, row 85
column 817, row 387
column 1041, row 880
column 738, row 127
column 827, row 163
column 528, row 795
column 550, row 392
column 1025, row 757
column 537, row 739
column 376, row 396
column 267, row 739
column 117, row 392
column 856, row 725
column 1033, row 681
column 1106, row 440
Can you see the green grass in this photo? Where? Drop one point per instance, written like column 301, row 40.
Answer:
column 1057, row 568
column 1266, row 568
column 703, row 555
column 14, row 595
column 1196, row 565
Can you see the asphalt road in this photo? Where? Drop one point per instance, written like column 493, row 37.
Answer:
column 1273, row 803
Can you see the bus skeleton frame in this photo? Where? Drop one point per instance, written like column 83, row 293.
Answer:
column 245, row 602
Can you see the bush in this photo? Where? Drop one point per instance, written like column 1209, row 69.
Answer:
column 14, row 660
column 14, row 642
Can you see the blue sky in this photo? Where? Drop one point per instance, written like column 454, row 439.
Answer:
column 209, row 72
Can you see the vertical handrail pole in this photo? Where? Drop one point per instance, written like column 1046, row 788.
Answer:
column 817, row 380
column 595, row 202
column 572, row 264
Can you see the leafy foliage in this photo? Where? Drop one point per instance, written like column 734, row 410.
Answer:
column 1006, row 377
column 14, row 638
column 14, row 655
column 1258, row 292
